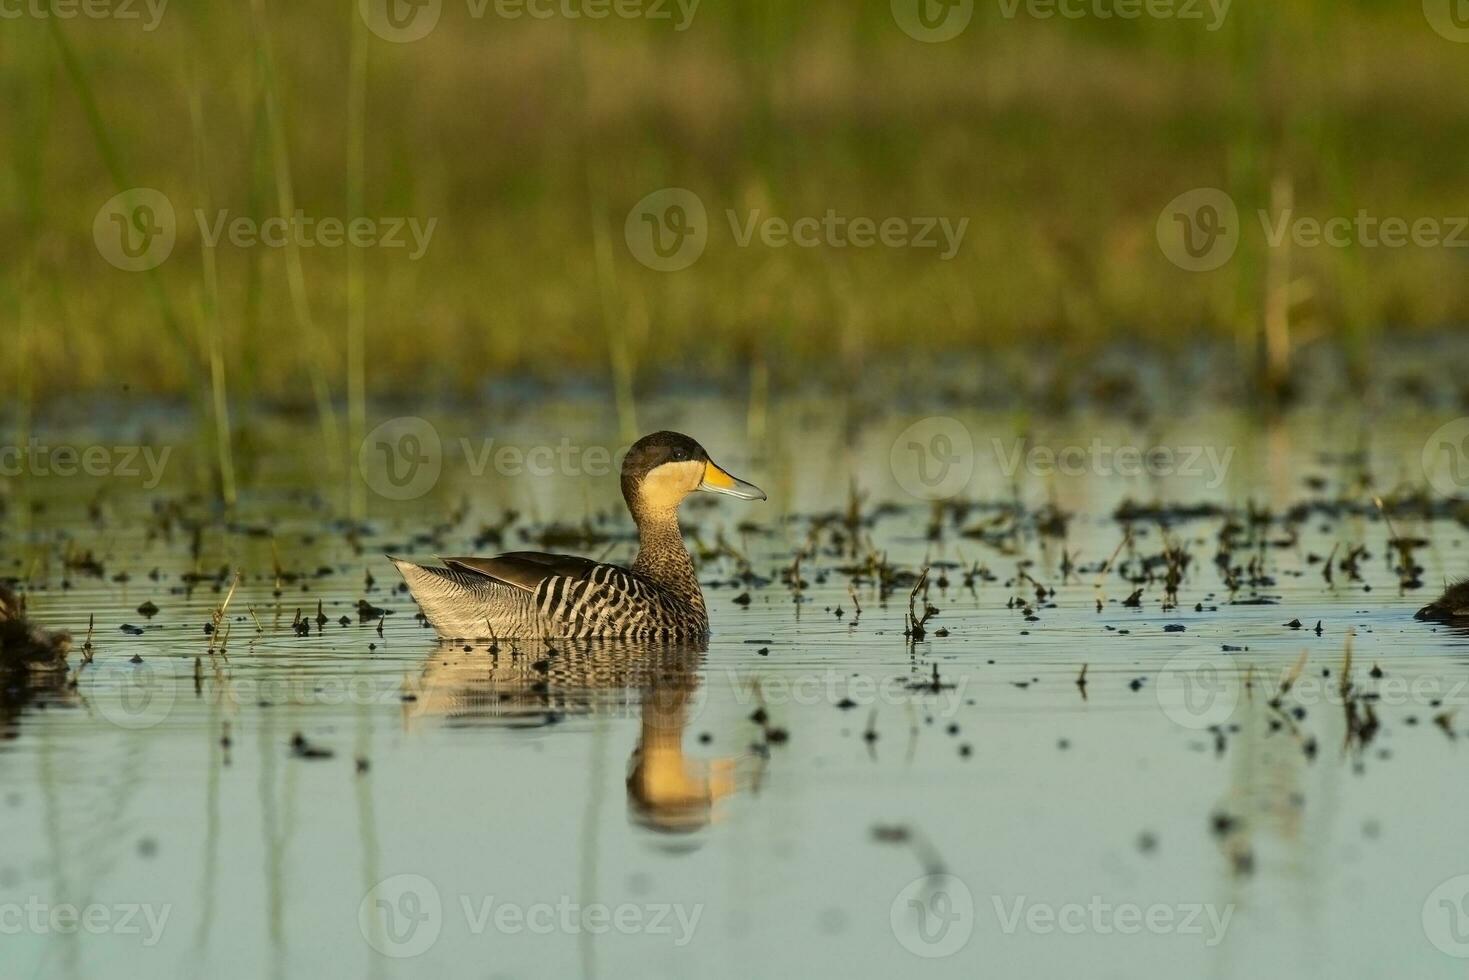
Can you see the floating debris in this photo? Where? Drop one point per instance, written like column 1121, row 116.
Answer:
column 302, row 749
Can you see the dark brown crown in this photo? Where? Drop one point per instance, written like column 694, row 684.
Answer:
column 655, row 450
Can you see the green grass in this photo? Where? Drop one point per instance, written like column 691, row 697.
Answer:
column 528, row 142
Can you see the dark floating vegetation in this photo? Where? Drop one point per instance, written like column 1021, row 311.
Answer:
column 33, row 660
column 1452, row 606
column 26, row 647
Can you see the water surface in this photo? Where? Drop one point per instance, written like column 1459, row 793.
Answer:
column 810, row 792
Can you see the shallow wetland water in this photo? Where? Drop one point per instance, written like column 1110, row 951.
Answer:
column 813, row 792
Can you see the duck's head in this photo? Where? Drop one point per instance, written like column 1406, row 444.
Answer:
column 661, row 469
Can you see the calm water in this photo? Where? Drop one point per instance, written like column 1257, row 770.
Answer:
column 810, row 793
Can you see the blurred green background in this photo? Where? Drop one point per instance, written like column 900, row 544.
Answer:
column 528, row 140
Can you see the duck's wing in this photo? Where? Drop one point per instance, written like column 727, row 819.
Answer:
column 525, row 570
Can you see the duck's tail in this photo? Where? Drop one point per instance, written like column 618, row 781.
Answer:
column 462, row 606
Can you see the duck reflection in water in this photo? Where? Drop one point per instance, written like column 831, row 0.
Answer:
column 538, row 684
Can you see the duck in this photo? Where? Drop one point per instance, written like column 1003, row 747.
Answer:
column 532, row 594
column 1451, row 607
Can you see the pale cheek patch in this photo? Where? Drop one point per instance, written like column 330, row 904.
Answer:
column 665, row 486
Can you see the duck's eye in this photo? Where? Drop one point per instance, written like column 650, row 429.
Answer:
column 680, row 454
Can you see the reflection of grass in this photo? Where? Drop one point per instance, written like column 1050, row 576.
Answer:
column 1059, row 140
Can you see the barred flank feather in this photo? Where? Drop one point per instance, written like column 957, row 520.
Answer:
column 609, row 601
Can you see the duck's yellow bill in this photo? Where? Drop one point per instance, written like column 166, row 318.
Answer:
column 717, row 480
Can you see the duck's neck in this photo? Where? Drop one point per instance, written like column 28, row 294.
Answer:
column 662, row 556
